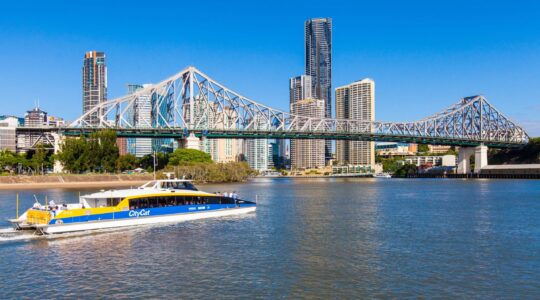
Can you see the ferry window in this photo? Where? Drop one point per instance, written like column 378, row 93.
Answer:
column 113, row 201
column 227, row 200
column 189, row 186
column 179, row 200
column 213, row 200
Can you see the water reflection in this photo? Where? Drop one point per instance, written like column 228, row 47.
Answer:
column 311, row 238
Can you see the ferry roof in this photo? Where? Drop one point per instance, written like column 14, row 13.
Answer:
column 141, row 192
column 153, row 187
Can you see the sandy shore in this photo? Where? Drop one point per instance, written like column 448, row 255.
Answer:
column 72, row 185
column 99, row 181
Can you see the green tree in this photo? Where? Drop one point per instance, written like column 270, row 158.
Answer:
column 40, row 159
column 188, row 156
column 9, row 161
column 406, row 170
column 107, row 151
column 147, row 162
column 422, row 148
column 74, row 155
column 126, row 162
column 98, row 153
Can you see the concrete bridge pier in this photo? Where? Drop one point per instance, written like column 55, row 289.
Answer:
column 58, row 167
column 480, row 159
column 192, row 142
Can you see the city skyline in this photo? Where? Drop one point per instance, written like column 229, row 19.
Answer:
column 430, row 67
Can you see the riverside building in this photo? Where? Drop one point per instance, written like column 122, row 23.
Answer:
column 8, row 137
column 307, row 153
column 356, row 101
column 94, row 83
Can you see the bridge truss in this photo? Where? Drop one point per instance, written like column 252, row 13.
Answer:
column 192, row 102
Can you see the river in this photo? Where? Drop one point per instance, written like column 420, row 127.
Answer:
column 310, row 238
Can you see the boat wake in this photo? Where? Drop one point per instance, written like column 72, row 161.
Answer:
column 9, row 234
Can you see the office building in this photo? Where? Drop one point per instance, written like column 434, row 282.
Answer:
column 8, row 137
column 356, row 101
column 94, row 83
column 318, row 64
column 35, row 118
column 307, row 153
column 444, row 160
column 439, row 149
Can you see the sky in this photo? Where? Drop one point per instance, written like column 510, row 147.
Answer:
column 423, row 55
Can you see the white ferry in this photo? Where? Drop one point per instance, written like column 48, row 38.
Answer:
column 157, row 201
column 382, row 175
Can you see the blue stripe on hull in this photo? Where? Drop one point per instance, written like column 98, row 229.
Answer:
column 148, row 212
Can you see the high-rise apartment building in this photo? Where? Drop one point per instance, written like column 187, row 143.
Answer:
column 206, row 114
column 300, row 87
column 356, row 101
column 318, row 64
column 307, row 153
column 259, row 151
column 94, row 83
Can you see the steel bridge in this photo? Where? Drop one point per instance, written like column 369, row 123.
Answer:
column 192, row 103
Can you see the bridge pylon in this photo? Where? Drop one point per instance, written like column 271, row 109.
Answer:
column 464, row 157
column 192, row 142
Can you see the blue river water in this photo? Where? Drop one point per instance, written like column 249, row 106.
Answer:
column 310, row 238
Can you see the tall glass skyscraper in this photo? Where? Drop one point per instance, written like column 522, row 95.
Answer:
column 318, row 59
column 94, row 83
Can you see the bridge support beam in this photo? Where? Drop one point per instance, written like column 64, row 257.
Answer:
column 192, row 142
column 58, row 167
column 464, row 157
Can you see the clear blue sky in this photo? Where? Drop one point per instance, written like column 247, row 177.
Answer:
column 423, row 55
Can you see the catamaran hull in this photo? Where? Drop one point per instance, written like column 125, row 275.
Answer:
column 105, row 224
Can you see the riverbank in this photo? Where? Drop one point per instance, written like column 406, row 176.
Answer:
column 72, row 181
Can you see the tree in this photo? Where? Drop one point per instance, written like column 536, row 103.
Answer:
column 147, row 162
column 39, row 160
column 107, row 150
column 96, row 153
column 126, row 162
column 406, row 170
column 9, row 161
column 74, row 155
column 423, row 148
column 188, row 156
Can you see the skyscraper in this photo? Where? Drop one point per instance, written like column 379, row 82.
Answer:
column 356, row 101
column 318, row 63
column 94, row 83
column 307, row 153
column 300, row 87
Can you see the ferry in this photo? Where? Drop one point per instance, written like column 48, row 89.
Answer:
column 382, row 175
column 158, row 201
